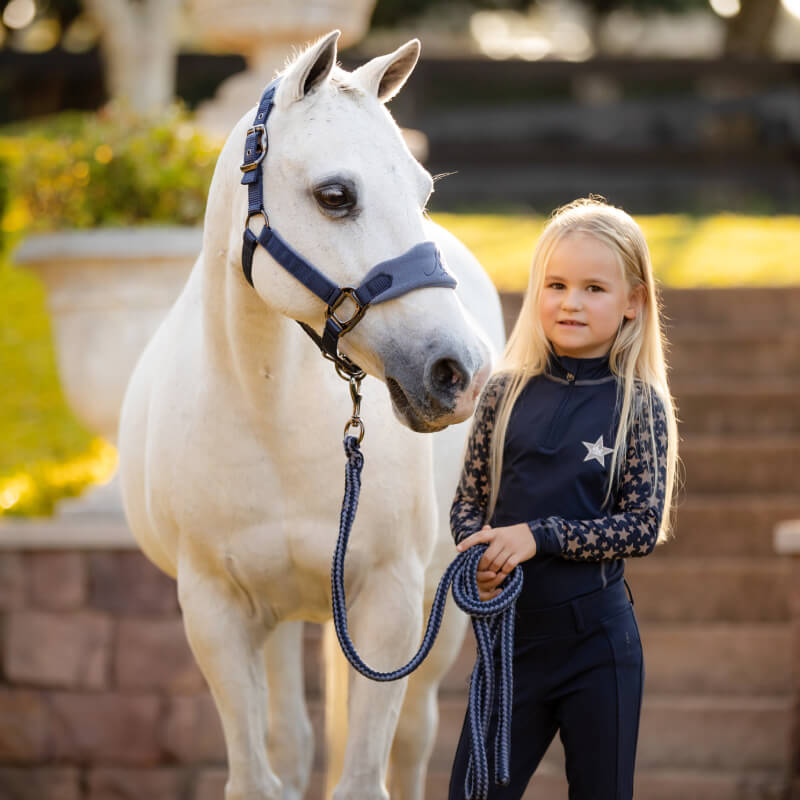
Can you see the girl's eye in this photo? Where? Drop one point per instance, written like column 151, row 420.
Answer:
column 555, row 285
column 595, row 288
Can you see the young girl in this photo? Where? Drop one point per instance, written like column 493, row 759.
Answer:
column 571, row 461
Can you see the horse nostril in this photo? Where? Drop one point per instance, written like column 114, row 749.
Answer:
column 447, row 374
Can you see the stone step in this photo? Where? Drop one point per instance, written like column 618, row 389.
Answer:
column 708, row 589
column 697, row 351
column 709, row 732
column 728, row 525
column 677, row 731
column 764, row 309
column 770, row 307
column 741, row 464
column 718, row 658
column 738, row 407
column 549, row 783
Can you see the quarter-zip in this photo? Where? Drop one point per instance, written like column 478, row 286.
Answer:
column 552, row 438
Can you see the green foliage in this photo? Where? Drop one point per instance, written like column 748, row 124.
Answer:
column 3, row 202
column 77, row 170
column 71, row 171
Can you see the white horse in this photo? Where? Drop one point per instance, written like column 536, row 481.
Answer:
column 230, row 436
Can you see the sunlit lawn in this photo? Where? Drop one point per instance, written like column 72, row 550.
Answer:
column 723, row 250
column 45, row 453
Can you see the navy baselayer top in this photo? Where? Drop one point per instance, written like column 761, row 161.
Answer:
column 556, row 459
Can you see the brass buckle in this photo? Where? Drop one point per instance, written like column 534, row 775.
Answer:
column 249, row 166
column 348, row 324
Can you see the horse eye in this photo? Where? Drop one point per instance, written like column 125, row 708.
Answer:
column 335, row 197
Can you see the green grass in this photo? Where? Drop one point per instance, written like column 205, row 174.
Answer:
column 717, row 251
column 45, row 453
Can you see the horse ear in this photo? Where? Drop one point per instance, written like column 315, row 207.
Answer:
column 309, row 69
column 385, row 75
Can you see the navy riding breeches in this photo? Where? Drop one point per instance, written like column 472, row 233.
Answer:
column 578, row 670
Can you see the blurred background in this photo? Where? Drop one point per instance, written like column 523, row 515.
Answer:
column 684, row 112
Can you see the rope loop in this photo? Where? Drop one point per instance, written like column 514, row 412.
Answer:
column 492, row 621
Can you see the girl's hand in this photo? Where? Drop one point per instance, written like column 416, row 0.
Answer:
column 507, row 546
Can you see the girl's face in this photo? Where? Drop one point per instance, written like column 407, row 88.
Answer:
column 585, row 297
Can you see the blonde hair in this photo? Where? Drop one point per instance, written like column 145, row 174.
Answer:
column 636, row 357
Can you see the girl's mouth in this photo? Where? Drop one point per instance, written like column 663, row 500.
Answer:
column 572, row 323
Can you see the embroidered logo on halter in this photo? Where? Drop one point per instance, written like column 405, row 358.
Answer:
column 597, row 451
column 436, row 267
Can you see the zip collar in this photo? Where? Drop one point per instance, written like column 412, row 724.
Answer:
column 579, row 371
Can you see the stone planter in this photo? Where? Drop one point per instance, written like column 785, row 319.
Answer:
column 107, row 291
column 266, row 33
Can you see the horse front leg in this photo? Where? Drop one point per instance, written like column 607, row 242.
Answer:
column 291, row 749
column 385, row 624
column 226, row 635
column 419, row 717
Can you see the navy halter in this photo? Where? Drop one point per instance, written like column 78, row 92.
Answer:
column 419, row 267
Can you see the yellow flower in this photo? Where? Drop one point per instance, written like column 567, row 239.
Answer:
column 103, row 154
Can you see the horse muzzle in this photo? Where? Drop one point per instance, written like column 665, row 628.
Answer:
column 443, row 392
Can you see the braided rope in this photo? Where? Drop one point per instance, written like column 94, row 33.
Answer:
column 492, row 621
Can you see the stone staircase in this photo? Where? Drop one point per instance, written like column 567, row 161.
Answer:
column 114, row 705
column 712, row 603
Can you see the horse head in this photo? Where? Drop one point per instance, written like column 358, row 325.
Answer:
column 344, row 191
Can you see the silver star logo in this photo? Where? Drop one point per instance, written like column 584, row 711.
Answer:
column 596, row 451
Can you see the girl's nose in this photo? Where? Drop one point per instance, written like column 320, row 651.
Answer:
column 572, row 300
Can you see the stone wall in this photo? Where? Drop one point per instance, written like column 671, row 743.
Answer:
column 787, row 543
column 100, row 695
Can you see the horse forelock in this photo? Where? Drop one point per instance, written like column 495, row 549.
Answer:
column 340, row 81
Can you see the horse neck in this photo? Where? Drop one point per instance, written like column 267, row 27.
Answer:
column 250, row 343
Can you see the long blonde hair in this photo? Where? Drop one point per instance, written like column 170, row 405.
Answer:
column 636, row 357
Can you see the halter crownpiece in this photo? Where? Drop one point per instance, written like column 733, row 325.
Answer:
column 419, row 267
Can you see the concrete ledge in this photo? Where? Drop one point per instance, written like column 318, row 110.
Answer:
column 787, row 537
column 120, row 244
column 67, row 532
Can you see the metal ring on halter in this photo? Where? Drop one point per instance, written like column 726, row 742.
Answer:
column 345, row 368
column 355, row 422
column 251, row 214
column 347, row 293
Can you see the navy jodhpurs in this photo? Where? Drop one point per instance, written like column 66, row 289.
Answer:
column 578, row 670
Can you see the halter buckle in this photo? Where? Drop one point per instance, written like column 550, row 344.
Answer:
column 348, row 324
column 261, row 148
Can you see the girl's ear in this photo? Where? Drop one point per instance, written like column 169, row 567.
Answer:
column 636, row 301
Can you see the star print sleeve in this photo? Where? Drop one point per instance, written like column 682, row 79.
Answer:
column 468, row 511
column 632, row 530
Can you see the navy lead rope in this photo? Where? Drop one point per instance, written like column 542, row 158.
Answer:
column 492, row 621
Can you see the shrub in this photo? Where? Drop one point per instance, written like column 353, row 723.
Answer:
column 78, row 170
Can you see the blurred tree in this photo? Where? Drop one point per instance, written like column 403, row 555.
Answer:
column 749, row 31
column 138, row 40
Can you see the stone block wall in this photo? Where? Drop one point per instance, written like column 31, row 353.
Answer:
column 787, row 543
column 100, row 697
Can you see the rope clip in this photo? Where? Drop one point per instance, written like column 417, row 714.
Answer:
column 355, row 394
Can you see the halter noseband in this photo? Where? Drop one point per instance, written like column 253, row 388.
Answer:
column 419, row 267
